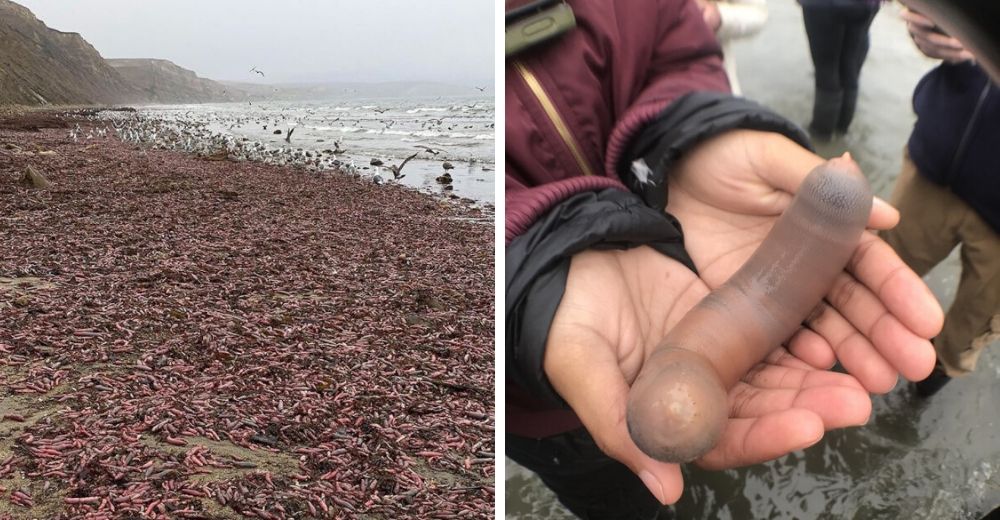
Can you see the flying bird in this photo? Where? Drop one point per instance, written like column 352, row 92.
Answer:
column 481, row 89
column 428, row 149
column 381, row 110
column 397, row 169
column 288, row 136
column 255, row 69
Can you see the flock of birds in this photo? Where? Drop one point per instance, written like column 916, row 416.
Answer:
column 196, row 137
column 76, row 133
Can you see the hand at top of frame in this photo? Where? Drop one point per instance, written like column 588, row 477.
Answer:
column 933, row 42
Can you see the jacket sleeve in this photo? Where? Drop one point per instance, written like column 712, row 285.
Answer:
column 647, row 158
column 537, row 263
column 681, row 56
column 687, row 58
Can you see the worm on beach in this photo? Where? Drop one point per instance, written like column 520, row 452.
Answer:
column 678, row 406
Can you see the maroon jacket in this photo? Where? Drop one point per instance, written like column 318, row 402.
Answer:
column 636, row 82
column 595, row 87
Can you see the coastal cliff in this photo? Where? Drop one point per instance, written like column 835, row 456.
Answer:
column 162, row 81
column 43, row 66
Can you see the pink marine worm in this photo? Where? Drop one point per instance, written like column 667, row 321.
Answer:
column 677, row 405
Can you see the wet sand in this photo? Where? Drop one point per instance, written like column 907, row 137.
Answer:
column 186, row 338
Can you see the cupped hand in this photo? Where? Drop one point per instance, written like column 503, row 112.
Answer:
column 616, row 308
column 877, row 319
column 618, row 305
column 933, row 42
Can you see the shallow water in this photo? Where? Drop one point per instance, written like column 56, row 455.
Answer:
column 916, row 459
column 461, row 129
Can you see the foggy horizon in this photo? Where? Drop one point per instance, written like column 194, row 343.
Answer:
column 303, row 41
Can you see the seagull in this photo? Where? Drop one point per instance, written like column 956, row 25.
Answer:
column 381, row 110
column 288, row 136
column 255, row 69
column 428, row 149
column 396, row 169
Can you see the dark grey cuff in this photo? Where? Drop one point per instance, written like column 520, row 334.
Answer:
column 681, row 126
column 537, row 264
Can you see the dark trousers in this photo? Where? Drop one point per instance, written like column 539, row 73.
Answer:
column 589, row 483
column 838, row 42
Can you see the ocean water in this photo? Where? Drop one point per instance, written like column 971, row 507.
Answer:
column 461, row 130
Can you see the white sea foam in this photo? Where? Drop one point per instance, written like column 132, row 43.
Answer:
column 358, row 130
column 425, row 109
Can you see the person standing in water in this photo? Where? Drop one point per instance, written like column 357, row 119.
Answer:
column 948, row 193
column 838, row 42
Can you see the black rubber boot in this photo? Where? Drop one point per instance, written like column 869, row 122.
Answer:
column 933, row 383
column 826, row 114
column 847, row 106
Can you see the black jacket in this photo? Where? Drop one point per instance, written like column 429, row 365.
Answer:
column 956, row 140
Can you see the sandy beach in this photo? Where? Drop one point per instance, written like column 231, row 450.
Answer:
column 191, row 338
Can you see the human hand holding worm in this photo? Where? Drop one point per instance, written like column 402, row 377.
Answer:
column 879, row 315
column 619, row 305
column 677, row 406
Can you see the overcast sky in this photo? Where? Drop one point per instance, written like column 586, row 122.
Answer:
column 449, row 41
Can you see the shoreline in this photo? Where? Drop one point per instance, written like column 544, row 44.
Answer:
column 212, row 339
column 372, row 142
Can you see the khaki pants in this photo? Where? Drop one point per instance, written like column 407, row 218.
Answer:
column 933, row 221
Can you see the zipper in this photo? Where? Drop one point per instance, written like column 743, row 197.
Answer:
column 550, row 110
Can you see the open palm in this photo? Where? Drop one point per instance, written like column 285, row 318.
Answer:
column 618, row 305
column 878, row 317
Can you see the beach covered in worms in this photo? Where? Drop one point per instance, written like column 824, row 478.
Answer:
column 189, row 338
